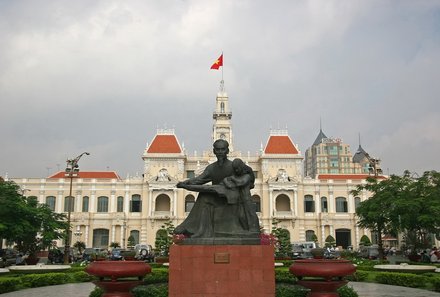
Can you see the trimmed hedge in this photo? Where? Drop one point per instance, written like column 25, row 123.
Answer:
column 358, row 276
column 46, row 279
column 155, row 290
column 8, row 284
column 401, row 279
column 436, row 284
column 159, row 275
column 81, row 277
column 284, row 276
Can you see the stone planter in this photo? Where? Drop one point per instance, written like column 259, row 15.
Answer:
column 328, row 275
column 111, row 272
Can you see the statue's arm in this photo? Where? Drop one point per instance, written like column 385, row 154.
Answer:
column 241, row 181
column 203, row 178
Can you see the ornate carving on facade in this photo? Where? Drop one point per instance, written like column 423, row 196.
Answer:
column 282, row 176
column 264, row 167
column 180, row 166
column 147, row 167
column 163, row 175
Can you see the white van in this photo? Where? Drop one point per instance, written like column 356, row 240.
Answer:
column 301, row 249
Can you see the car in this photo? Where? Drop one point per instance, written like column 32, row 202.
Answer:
column 144, row 252
column 90, row 254
column 369, row 252
column 301, row 249
column 7, row 257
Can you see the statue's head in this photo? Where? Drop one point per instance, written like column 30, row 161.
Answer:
column 221, row 148
column 238, row 166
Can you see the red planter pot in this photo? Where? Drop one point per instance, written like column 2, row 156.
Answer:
column 110, row 271
column 331, row 273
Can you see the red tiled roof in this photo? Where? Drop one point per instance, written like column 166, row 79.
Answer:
column 346, row 176
column 280, row 145
column 164, row 144
column 90, row 174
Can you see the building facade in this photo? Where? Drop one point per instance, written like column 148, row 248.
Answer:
column 107, row 208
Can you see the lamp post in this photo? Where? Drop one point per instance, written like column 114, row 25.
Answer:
column 71, row 172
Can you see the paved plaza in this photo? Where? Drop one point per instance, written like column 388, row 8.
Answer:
column 84, row 289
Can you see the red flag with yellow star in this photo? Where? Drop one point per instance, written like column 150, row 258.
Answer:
column 218, row 63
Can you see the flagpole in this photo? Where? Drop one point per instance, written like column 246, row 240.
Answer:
column 223, row 64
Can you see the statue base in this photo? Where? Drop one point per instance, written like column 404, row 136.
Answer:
column 221, row 270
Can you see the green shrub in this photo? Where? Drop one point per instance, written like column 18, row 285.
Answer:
column 347, row 291
column 358, row 276
column 436, row 284
column 97, row 292
column 283, row 290
column 47, row 279
column 157, row 276
column 8, row 284
column 81, row 276
column 401, row 279
column 157, row 265
column 286, row 263
column 75, row 269
column 284, row 276
column 151, row 291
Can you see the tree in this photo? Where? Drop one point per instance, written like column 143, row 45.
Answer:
column 365, row 240
column 330, row 241
column 422, row 197
column 377, row 213
column 32, row 226
column 115, row 244
column 131, row 241
column 80, row 245
column 282, row 235
column 164, row 238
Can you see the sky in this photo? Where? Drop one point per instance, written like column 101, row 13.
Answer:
column 103, row 76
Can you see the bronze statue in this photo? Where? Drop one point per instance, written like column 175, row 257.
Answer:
column 223, row 209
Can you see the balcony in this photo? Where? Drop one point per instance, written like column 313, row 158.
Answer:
column 162, row 215
column 284, row 214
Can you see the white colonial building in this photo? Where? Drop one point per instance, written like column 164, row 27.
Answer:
column 107, row 208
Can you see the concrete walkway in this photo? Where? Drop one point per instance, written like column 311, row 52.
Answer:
column 84, row 289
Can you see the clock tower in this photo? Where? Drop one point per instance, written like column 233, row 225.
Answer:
column 222, row 128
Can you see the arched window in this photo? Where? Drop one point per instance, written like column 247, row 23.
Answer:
column 341, row 204
column 135, row 234
column 50, row 201
column 189, row 202
column 102, row 204
column 309, row 203
column 324, row 205
column 282, row 203
column 310, row 235
column 85, row 204
column 120, row 204
column 357, row 201
column 135, row 203
column 257, row 201
column 69, row 202
column 100, row 238
column 222, row 107
column 162, row 203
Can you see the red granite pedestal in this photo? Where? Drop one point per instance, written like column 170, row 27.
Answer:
column 221, row 271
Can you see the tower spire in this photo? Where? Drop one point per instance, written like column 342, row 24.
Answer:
column 222, row 127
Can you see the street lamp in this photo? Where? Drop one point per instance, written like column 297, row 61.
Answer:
column 71, row 172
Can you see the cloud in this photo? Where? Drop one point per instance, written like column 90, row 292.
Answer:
column 102, row 76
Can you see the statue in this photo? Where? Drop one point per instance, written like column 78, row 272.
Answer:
column 223, row 210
